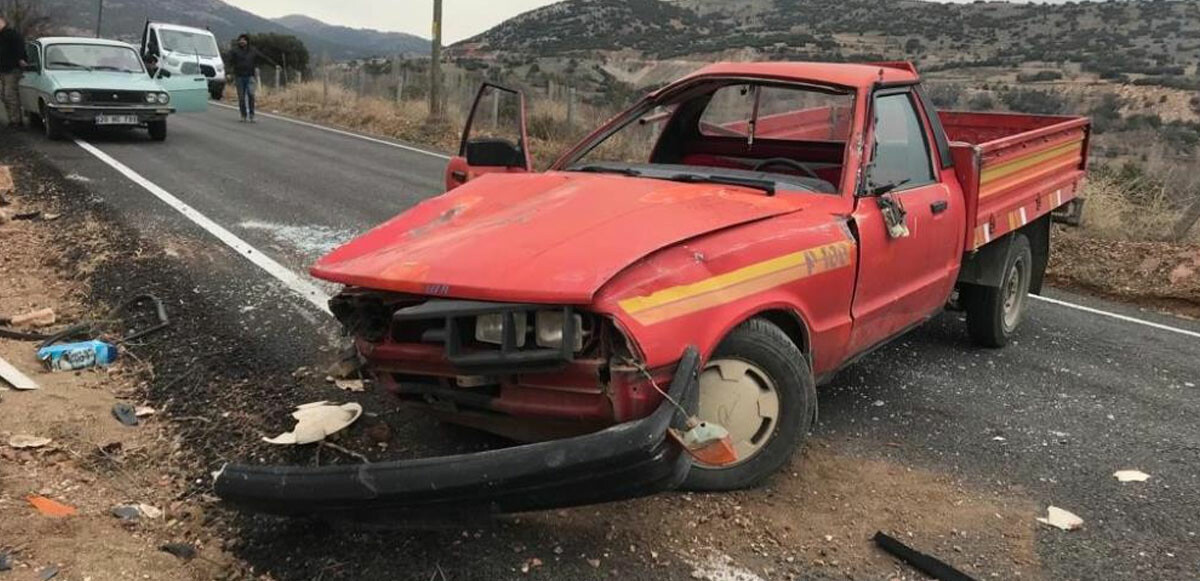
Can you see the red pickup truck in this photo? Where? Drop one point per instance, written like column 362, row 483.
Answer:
column 719, row 250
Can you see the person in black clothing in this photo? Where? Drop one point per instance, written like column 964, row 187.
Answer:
column 153, row 69
column 12, row 63
column 244, row 59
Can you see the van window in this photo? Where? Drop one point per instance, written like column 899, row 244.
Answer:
column 199, row 43
column 152, row 47
column 901, row 152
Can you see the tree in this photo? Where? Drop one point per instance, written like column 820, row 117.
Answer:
column 27, row 17
column 281, row 48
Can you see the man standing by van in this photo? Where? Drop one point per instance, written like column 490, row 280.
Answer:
column 12, row 62
column 244, row 59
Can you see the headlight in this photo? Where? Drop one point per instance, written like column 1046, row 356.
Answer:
column 549, row 330
column 151, row 98
column 75, row 97
column 62, row 97
column 164, row 98
column 490, row 328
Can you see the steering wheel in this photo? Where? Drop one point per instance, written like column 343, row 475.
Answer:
column 788, row 162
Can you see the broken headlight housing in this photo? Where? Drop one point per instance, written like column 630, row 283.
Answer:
column 548, row 329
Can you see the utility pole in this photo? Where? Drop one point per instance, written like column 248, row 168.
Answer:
column 99, row 17
column 435, row 64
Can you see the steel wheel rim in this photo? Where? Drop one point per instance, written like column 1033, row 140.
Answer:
column 1014, row 299
column 742, row 398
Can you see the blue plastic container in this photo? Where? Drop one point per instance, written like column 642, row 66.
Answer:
column 72, row 356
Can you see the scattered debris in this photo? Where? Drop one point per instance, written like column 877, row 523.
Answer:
column 1131, row 476
column 182, row 550
column 125, row 413
column 595, row 563
column 149, row 511
column 315, row 421
column 75, row 356
column 6, row 181
column 1059, row 518
column 15, row 378
column 922, row 562
column 998, row 439
column 127, row 513
column 38, row 318
column 353, row 385
column 22, row 441
column 48, row 573
column 380, row 433
column 346, row 367
column 6, row 561
column 33, row 215
column 532, row 563
column 144, row 411
column 50, row 507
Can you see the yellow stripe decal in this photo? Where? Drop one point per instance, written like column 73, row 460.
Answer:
column 1010, row 167
column 685, row 299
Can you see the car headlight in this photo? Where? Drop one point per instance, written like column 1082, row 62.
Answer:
column 76, row 97
column 151, row 98
column 549, row 329
column 62, row 97
column 164, row 98
column 490, row 328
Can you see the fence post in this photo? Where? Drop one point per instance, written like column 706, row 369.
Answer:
column 397, row 79
column 324, row 79
column 362, row 82
column 403, row 82
column 571, row 107
column 278, row 73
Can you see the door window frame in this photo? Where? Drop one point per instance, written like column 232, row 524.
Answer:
column 914, row 102
column 35, row 49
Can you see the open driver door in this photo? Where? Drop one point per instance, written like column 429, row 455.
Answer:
column 495, row 139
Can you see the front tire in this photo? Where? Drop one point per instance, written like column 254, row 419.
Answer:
column 994, row 313
column 759, row 386
column 53, row 127
column 158, row 130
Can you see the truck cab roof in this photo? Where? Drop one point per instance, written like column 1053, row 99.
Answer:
column 858, row 76
column 48, row 40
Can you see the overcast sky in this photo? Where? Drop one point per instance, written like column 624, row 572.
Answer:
column 463, row 18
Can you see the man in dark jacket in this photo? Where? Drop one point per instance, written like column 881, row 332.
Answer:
column 12, row 63
column 244, row 59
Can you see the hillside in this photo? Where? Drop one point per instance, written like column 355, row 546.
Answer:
column 366, row 41
column 1132, row 37
column 124, row 19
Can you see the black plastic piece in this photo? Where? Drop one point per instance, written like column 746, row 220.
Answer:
column 920, row 561
column 625, row 461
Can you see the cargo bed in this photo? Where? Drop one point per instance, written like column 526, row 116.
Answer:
column 1015, row 168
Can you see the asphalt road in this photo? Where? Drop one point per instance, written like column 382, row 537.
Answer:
column 1076, row 397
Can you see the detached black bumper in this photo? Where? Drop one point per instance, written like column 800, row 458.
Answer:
column 625, row 461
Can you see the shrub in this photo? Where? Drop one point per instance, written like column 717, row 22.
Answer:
column 981, row 102
column 1039, row 76
column 1033, row 101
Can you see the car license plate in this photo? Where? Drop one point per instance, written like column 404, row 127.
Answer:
column 116, row 120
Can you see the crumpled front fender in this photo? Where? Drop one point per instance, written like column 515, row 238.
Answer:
column 628, row 460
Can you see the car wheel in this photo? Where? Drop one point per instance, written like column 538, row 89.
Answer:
column 759, row 386
column 994, row 313
column 51, row 126
column 217, row 93
column 158, row 130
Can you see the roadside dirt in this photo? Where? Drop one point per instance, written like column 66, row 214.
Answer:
column 92, row 463
column 1160, row 276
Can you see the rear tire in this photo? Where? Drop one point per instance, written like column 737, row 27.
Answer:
column 758, row 385
column 994, row 313
column 158, row 130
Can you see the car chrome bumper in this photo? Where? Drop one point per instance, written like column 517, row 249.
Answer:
column 625, row 461
column 88, row 113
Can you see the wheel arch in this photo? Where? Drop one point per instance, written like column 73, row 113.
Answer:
column 788, row 318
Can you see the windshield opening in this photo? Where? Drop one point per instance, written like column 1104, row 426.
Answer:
column 189, row 42
column 792, row 135
column 93, row 57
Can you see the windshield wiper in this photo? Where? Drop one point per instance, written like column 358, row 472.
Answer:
column 111, row 68
column 694, row 178
column 625, row 171
column 67, row 64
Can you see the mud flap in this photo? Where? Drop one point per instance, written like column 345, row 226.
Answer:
column 625, row 461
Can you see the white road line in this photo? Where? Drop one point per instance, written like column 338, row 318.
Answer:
column 1118, row 317
column 346, row 133
column 307, row 290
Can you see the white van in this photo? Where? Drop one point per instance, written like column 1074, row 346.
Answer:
column 183, row 50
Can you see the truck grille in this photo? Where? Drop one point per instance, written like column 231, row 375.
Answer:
column 121, row 97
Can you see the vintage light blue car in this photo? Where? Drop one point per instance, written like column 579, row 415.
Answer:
column 87, row 81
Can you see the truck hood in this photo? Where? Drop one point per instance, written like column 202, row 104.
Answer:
column 103, row 81
column 538, row 238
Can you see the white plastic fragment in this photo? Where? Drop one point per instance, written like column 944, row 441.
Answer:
column 1131, row 476
column 22, row 441
column 1062, row 519
column 316, row 421
column 14, row 377
column 352, row 385
column 143, row 411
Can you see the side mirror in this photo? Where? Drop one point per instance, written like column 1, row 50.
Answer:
column 491, row 152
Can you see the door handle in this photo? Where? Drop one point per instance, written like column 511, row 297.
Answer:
column 939, row 206
column 460, row 176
